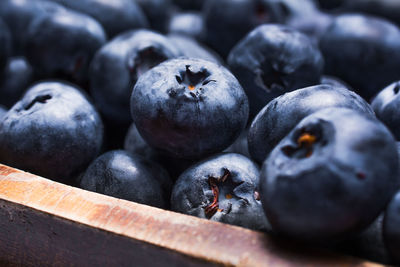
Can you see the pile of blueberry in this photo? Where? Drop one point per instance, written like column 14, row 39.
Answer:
column 276, row 115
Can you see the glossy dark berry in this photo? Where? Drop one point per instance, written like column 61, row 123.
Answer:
column 282, row 114
column 135, row 144
column 391, row 229
column 128, row 176
column 331, row 4
column 304, row 16
column 189, row 108
column 240, row 146
column 5, row 44
column 189, row 4
column 272, row 60
column 114, row 133
column 14, row 80
column 335, row 82
column 3, row 111
column 117, row 66
column 228, row 21
column 330, row 177
column 388, row 9
column 53, row 131
column 191, row 48
column 62, row 44
column 387, row 107
column 157, row 12
column 368, row 244
column 362, row 51
column 189, row 24
column 221, row 188
column 290, row 9
column 115, row 16
column 313, row 24
column 19, row 14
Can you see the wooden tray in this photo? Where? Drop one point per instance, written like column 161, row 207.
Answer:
column 47, row 223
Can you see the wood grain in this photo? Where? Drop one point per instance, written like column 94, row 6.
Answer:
column 46, row 223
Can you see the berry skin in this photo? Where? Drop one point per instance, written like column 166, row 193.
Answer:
column 115, row 17
column 53, row 131
column 272, row 60
column 5, row 44
column 368, row 244
column 223, row 188
column 134, row 143
column 228, row 21
column 157, row 12
column 3, row 111
column 324, row 182
column 16, row 77
column 391, row 233
column 335, row 82
column 387, row 9
column 61, row 45
column 283, row 113
column 128, row 176
column 117, row 66
column 189, row 108
column 188, row 24
column 387, row 107
column 362, row 51
column 190, row 48
column 191, row 5
column 240, row 146
column 19, row 14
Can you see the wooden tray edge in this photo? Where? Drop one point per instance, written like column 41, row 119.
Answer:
column 201, row 239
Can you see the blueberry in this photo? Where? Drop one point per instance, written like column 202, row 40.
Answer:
column 119, row 63
column 388, row 9
column 332, row 4
column 18, row 15
column 330, row 177
column 304, row 16
column 188, row 23
column 115, row 16
column 282, row 114
column 221, row 188
column 391, row 229
column 157, row 12
column 53, row 131
column 193, row 49
column 114, row 133
column 189, row 108
column 362, row 51
column 62, row 44
column 240, row 146
column 189, row 4
column 290, row 9
column 3, row 111
column 313, row 25
column 228, row 21
column 134, row 143
column 335, row 82
column 5, row 44
column 386, row 106
column 123, row 175
column 369, row 244
column 272, row 60
column 14, row 80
